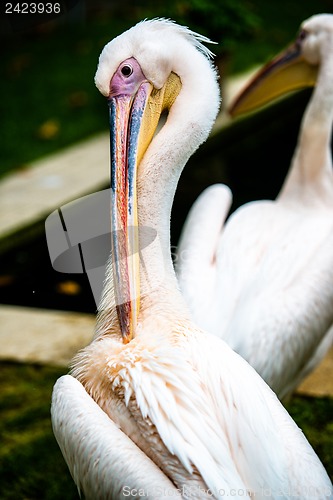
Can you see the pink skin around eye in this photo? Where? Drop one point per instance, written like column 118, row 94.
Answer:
column 126, row 84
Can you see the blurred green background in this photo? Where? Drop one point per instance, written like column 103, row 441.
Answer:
column 47, row 73
column 48, row 102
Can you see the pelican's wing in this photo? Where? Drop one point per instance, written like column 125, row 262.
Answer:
column 103, row 461
column 317, row 356
column 268, row 448
column 196, row 254
column 276, row 307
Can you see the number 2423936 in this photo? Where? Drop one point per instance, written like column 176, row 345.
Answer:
column 32, row 8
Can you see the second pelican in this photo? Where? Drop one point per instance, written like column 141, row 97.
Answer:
column 264, row 281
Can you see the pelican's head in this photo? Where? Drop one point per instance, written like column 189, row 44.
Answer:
column 293, row 69
column 141, row 72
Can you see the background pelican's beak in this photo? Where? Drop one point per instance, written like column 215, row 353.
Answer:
column 287, row 72
column 133, row 121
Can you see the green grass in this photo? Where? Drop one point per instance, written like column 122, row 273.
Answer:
column 48, row 97
column 31, row 464
column 277, row 27
column 314, row 417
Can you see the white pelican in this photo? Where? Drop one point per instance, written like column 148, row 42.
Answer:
column 204, row 419
column 264, row 281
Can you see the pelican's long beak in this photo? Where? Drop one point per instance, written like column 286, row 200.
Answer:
column 285, row 73
column 134, row 116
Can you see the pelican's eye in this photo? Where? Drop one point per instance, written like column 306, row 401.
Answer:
column 301, row 36
column 126, row 70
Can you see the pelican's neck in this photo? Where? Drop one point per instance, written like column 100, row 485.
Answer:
column 157, row 278
column 311, row 174
column 188, row 125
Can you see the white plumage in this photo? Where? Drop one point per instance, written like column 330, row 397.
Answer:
column 98, row 451
column 194, row 407
column 263, row 281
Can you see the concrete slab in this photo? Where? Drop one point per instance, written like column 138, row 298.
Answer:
column 320, row 381
column 43, row 336
column 28, row 196
column 230, row 89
